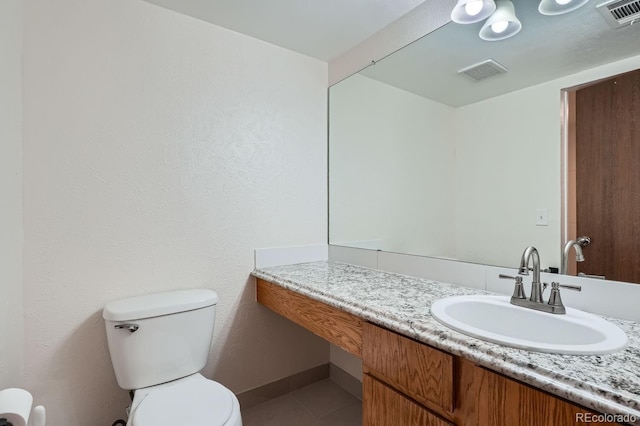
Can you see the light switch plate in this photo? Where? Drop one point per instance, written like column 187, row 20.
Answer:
column 542, row 217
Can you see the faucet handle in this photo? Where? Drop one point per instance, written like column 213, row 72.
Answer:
column 554, row 297
column 557, row 286
column 518, row 291
column 508, row 277
column 569, row 287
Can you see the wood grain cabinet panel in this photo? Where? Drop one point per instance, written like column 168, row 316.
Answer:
column 423, row 373
column 407, row 383
column 485, row 398
column 382, row 406
column 332, row 324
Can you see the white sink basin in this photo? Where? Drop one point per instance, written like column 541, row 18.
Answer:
column 494, row 319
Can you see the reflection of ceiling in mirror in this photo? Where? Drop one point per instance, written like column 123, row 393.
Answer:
column 547, row 47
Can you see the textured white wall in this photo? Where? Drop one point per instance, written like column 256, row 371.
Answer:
column 390, row 149
column 159, row 152
column 10, row 193
column 508, row 165
column 512, row 145
column 346, row 361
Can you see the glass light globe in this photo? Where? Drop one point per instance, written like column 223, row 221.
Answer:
column 499, row 27
column 563, row 2
column 475, row 6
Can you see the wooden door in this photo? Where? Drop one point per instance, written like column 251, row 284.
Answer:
column 608, row 176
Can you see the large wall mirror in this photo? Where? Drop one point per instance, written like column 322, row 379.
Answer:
column 426, row 160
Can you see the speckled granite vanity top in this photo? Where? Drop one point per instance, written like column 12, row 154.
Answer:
column 606, row 383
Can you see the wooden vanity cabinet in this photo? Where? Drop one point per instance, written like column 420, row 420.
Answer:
column 412, row 384
column 408, row 383
column 332, row 324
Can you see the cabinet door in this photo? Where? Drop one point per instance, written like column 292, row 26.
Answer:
column 485, row 398
column 383, row 406
column 423, row 373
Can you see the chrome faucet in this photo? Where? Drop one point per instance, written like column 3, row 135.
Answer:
column 577, row 244
column 530, row 253
column 536, row 302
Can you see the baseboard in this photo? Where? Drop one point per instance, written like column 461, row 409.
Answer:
column 346, row 381
column 283, row 386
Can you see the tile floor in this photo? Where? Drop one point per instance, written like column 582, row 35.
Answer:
column 320, row 404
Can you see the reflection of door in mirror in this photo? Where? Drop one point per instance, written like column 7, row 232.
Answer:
column 606, row 189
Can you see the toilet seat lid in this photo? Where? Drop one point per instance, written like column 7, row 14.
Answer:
column 194, row 403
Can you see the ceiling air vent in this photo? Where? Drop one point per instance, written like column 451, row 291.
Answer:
column 483, row 70
column 619, row 13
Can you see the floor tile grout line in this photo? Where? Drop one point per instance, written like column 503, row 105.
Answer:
column 304, row 407
column 319, row 419
column 327, row 380
column 359, row 403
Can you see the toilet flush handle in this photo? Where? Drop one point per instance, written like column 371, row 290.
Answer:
column 130, row 327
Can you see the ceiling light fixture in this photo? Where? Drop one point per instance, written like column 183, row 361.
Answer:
column 471, row 11
column 558, row 7
column 502, row 24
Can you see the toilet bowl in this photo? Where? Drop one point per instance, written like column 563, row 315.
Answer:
column 190, row 401
column 158, row 344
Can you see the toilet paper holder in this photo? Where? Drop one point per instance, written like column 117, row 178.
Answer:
column 38, row 417
column 16, row 405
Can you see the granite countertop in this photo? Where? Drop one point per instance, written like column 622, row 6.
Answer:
column 608, row 384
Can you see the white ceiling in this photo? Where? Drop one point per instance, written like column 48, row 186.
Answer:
column 323, row 29
column 547, row 47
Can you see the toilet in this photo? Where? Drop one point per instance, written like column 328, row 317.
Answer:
column 158, row 344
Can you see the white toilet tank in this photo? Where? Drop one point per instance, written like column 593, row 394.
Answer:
column 160, row 337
